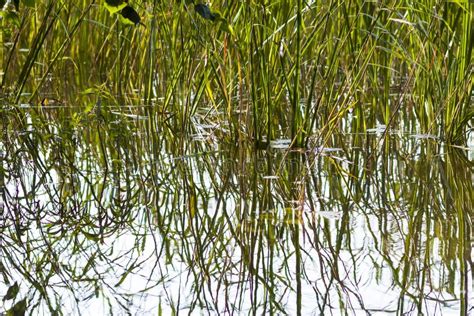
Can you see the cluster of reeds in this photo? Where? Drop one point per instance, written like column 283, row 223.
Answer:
column 264, row 70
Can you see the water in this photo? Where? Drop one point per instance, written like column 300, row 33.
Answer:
column 106, row 213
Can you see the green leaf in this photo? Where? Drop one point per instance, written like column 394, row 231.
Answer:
column 114, row 6
column 12, row 292
column 18, row 309
column 128, row 15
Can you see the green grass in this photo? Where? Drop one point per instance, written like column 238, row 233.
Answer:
column 288, row 69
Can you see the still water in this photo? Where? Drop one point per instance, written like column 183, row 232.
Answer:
column 106, row 213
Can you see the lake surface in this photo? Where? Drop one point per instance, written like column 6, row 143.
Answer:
column 104, row 217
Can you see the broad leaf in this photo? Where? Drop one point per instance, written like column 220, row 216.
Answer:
column 128, row 15
column 114, row 6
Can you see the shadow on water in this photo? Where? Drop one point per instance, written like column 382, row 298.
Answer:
column 104, row 212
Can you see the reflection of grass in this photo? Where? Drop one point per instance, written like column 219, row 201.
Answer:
column 252, row 223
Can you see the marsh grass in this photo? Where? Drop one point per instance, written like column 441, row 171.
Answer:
column 288, row 70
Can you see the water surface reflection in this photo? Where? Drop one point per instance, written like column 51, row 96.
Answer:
column 108, row 214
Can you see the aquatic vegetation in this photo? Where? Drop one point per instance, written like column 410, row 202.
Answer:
column 236, row 157
column 291, row 68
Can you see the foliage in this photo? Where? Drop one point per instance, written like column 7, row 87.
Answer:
column 287, row 69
